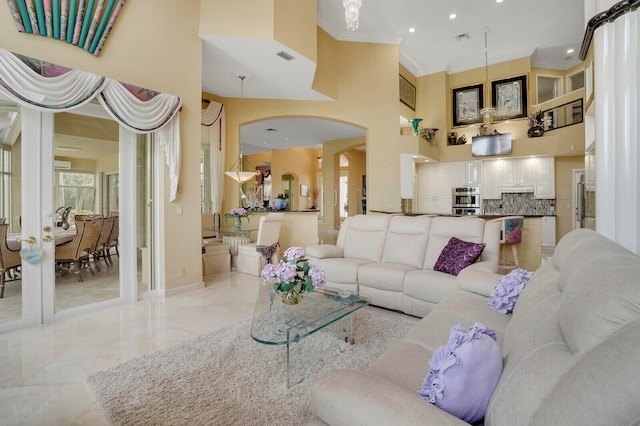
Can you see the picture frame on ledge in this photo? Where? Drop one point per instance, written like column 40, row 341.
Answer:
column 466, row 104
column 509, row 98
column 407, row 93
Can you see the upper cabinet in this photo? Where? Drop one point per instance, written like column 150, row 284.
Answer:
column 465, row 173
column 492, row 179
column 517, row 175
column 544, row 178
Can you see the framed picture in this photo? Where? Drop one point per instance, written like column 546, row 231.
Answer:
column 407, row 93
column 467, row 102
column 509, row 98
column 304, row 190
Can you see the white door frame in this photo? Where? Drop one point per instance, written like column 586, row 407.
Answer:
column 38, row 281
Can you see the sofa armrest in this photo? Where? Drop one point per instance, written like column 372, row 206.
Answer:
column 350, row 397
column 477, row 279
column 324, row 251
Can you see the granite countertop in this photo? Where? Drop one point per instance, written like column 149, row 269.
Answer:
column 483, row 216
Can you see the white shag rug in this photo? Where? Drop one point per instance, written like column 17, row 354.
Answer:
column 226, row 378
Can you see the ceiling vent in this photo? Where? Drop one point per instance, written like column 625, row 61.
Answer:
column 284, row 55
column 463, row 36
column 61, row 165
column 270, row 130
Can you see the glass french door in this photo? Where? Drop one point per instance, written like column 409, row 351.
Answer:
column 40, row 293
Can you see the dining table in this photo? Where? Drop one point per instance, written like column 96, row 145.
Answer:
column 61, row 236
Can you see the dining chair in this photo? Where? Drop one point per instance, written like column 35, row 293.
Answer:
column 99, row 250
column 113, row 239
column 252, row 257
column 78, row 250
column 10, row 260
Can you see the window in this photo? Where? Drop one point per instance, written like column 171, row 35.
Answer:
column 575, row 81
column 76, row 190
column 5, row 183
column 549, row 87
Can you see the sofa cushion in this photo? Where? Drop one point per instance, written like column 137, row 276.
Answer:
column 383, row 276
column 365, row 237
column 465, row 228
column 457, row 255
column 464, row 372
column 339, row 270
column 323, row 251
column 406, row 242
column 428, row 285
column 505, row 294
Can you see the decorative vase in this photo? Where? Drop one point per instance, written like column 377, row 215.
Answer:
column 535, row 131
column 238, row 222
column 291, row 297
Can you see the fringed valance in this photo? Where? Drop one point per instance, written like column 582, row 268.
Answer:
column 74, row 88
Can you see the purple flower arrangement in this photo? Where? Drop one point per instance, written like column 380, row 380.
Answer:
column 293, row 275
column 237, row 213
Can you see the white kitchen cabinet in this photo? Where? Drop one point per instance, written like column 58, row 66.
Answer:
column 544, row 178
column 434, row 188
column 473, row 173
column 517, row 175
column 491, row 179
column 456, row 173
column 548, row 231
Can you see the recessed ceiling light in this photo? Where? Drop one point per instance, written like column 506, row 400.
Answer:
column 570, row 51
column 412, row 30
column 499, row 1
column 452, row 16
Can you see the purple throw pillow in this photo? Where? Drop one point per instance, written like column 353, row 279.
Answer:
column 505, row 294
column 457, row 255
column 464, row 373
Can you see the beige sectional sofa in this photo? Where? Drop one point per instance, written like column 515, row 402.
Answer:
column 571, row 350
column 391, row 258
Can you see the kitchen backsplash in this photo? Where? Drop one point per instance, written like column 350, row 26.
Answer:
column 521, row 204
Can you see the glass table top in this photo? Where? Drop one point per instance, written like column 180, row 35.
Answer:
column 276, row 323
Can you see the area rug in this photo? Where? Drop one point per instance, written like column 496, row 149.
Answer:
column 226, row 378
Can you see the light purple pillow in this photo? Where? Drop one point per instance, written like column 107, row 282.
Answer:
column 505, row 294
column 464, row 373
column 457, row 255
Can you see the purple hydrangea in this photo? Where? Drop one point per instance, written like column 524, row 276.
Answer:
column 286, row 272
column 238, row 211
column 294, row 253
column 317, row 276
column 268, row 272
column 505, row 294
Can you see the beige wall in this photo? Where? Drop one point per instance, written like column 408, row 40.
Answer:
column 132, row 55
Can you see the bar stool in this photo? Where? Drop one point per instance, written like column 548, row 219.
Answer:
column 510, row 235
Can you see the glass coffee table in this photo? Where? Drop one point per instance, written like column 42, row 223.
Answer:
column 327, row 309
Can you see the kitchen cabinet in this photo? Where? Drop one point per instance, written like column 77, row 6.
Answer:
column 434, row 188
column 491, row 179
column 544, row 178
column 548, row 231
column 517, row 175
column 473, row 173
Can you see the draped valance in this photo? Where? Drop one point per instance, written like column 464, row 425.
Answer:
column 72, row 89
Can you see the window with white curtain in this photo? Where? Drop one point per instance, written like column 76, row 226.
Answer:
column 5, row 183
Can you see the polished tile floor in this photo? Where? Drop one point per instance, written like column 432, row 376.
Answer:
column 42, row 369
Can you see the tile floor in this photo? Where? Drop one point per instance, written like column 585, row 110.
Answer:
column 42, row 369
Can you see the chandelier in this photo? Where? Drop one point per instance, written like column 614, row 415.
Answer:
column 352, row 13
column 488, row 111
column 235, row 171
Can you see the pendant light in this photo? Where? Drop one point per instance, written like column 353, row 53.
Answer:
column 235, row 171
column 488, row 111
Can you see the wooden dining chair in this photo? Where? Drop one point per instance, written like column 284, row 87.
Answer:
column 10, row 260
column 99, row 250
column 78, row 250
column 113, row 239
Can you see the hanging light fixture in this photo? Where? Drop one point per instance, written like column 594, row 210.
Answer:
column 235, row 171
column 488, row 111
column 352, row 13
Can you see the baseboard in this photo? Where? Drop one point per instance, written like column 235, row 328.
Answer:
column 184, row 289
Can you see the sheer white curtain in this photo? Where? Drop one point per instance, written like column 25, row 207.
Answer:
column 73, row 89
column 213, row 118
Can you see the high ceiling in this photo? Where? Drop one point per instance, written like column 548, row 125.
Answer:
column 545, row 30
